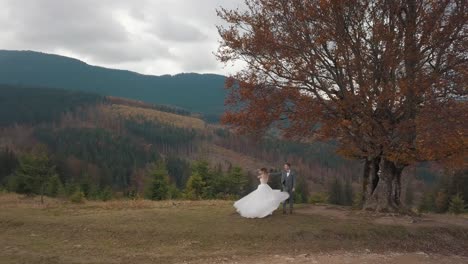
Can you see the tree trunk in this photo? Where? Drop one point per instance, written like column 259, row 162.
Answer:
column 365, row 180
column 375, row 169
column 397, row 186
column 42, row 193
column 385, row 196
column 370, row 178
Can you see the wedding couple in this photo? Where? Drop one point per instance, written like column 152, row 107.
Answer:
column 264, row 200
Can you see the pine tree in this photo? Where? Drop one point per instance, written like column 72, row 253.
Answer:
column 457, row 204
column 301, row 194
column 33, row 173
column 158, row 188
column 236, row 180
column 174, row 193
column 71, row 188
column 54, row 186
column 195, row 187
column 77, row 197
column 179, row 170
column 106, row 194
column 210, row 182
column 427, row 202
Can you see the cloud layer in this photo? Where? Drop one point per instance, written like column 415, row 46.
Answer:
column 147, row 36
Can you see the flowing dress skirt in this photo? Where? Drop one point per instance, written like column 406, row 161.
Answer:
column 261, row 202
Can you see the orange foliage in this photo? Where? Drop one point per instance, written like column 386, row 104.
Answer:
column 372, row 74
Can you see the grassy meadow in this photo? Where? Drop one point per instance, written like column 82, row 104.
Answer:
column 144, row 231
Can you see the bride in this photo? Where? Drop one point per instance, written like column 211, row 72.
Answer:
column 261, row 202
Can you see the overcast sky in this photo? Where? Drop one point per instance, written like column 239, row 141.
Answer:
column 146, row 36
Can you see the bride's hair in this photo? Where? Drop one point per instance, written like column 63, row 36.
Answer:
column 264, row 170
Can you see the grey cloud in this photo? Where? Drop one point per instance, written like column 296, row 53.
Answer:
column 199, row 59
column 135, row 34
column 170, row 29
column 84, row 27
column 64, row 22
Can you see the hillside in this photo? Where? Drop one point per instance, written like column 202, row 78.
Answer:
column 111, row 143
column 201, row 93
column 100, row 142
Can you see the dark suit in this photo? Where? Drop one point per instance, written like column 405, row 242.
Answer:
column 288, row 184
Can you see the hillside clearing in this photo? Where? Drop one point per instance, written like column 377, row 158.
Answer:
column 158, row 116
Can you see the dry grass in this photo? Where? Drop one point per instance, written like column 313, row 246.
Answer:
column 178, row 231
column 159, row 116
column 219, row 155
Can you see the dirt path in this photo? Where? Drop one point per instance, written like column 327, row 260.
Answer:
column 432, row 220
column 348, row 258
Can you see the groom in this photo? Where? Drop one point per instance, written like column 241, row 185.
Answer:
column 288, row 183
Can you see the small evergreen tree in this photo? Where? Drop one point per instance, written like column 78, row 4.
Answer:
column 106, row 194
column 298, row 198
column 174, row 193
column 301, row 194
column 211, row 183
column 94, row 192
column 33, row 173
column 77, row 197
column 195, row 187
column 54, row 186
column 71, row 188
column 158, row 188
column 427, row 202
column 457, row 205
column 179, row 170
column 132, row 194
column 236, row 181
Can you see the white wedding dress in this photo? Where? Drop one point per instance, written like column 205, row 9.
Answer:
column 261, row 202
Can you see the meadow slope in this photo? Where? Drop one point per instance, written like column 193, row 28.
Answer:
column 211, row 232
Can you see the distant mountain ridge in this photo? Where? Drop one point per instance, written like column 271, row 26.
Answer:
column 200, row 93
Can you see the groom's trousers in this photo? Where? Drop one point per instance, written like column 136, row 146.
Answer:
column 290, row 200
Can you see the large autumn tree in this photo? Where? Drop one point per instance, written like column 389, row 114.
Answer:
column 365, row 73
